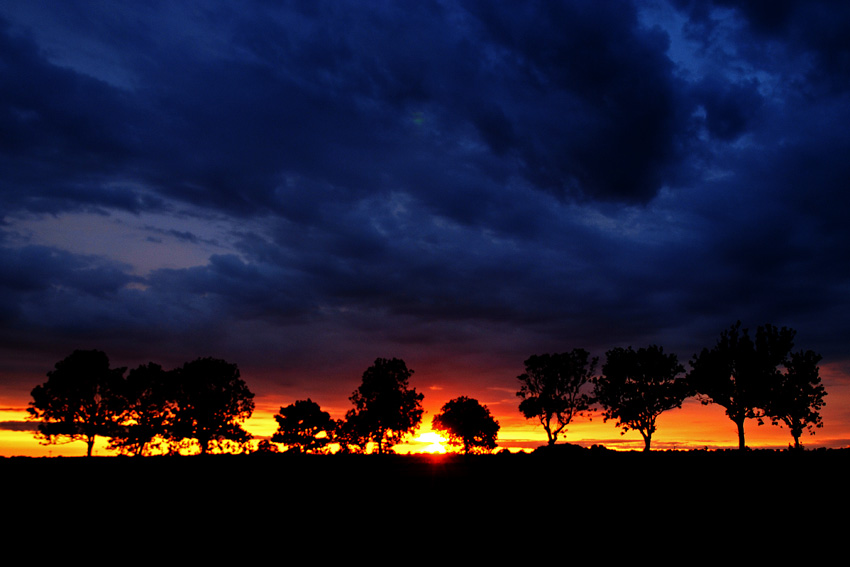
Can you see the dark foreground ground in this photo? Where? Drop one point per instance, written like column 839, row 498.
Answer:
column 567, row 496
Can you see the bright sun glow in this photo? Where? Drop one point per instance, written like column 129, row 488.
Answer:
column 434, row 440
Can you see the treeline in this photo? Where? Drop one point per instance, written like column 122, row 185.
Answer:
column 751, row 376
column 204, row 402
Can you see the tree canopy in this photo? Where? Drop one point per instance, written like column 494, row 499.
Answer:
column 301, row 425
column 350, row 435
column 385, row 407
column 149, row 407
column 468, row 424
column 796, row 398
column 740, row 372
column 637, row 386
column 80, row 399
column 211, row 403
column 552, row 389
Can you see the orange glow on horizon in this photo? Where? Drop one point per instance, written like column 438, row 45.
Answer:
column 695, row 426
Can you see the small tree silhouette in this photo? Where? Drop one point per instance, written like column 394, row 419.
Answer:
column 212, row 401
column 299, row 426
column 149, row 408
column 80, row 399
column 468, row 424
column 637, row 386
column 385, row 407
column 797, row 397
column 350, row 435
column 740, row 371
column 552, row 389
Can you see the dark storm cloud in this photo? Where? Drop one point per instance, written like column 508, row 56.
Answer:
column 599, row 106
column 809, row 36
column 429, row 173
column 578, row 101
column 730, row 108
column 19, row 426
column 36, row 268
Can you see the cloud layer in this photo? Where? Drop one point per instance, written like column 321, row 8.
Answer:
column 321, row 183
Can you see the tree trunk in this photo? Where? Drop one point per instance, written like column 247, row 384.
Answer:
column 797, row 445
column 90, row 444
column 647, row 439
column 549, row 436
column 741, row 445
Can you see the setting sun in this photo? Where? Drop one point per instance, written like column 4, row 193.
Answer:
column 435, row 442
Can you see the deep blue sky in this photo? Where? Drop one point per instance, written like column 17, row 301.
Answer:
column 301, row 187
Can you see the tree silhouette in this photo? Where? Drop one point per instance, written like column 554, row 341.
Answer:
column 212, row 401
column 468, row 424
column 637, row 386
column 79, row 400
column 385, row 408
column 349, row 434
column 739, row 373
column 552, row 387
column 300, row 424
column 149, row 409
column 797, row 397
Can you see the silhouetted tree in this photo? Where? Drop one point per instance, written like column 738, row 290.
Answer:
column 637, row 386
column 212, row 401
column 350, row 435
column 797, row 398
column 385, row 408
column 467, row 423
column 79, row 400
column 149, row 408
column 552, row 389
column 738, row 373
column 300, row 425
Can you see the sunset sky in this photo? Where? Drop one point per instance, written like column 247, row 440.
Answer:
column 302, row 187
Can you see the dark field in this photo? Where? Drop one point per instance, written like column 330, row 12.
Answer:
column 573, row 493
column 335, row 480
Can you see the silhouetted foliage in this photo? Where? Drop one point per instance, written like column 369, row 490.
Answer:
column 637, row 386
column 266, row 446
column 552, row 389
column 149, row 408
column 468, row 424
column 739, row 373
column 80, row 399
column 212, row 400
column 300, row 425
column 385, row 408
column 350, row 435
column 797, row 398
